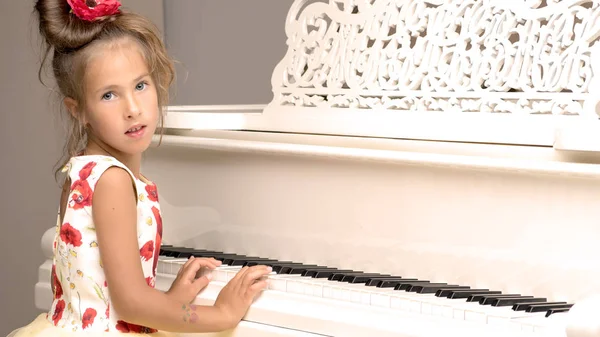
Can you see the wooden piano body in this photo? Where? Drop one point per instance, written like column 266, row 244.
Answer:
column 449, row 141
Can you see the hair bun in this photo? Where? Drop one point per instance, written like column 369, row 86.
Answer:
column 61, row 29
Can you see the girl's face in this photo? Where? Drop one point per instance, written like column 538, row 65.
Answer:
column 122, row 104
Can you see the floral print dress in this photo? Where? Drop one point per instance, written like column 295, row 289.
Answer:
column 82, row 304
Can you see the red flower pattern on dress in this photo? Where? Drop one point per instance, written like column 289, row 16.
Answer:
column 88, row 317
column 57, row 288
column 58, row 311
column 155, row 261
column 81, row 194
column 123, row 326
column 159, row 230
column 150, row 281
column 85, row 171
column 147, row 250
column 152, row 193
column 70, row 235
column 107, row 313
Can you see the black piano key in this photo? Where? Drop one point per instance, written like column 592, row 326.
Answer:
column 274, row 263
column 208, row 254
column 524, row 306
column 462, row 294
column 415, row 288
column 478, row 297
column 351, row 277
column 226, row 256
column 391, row 283
column 174, row 251
column 303, row 270
column 244, row 262
column 406, row 285
column 226, row 259
column 253, row 262
column 510, row 301
column 325, row 273
column 431, row 289
column 286, row 268
column 183, row 254
column 366, row 278
column 374, row 281
column 546, row 307
column 240, row 260
column 446, row 292
column 340, row 276
column 166, row 249
column 487, row 300
column 556, row 311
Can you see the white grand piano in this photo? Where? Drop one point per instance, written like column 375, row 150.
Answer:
column 450, row 146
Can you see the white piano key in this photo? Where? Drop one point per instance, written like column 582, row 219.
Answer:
column 280, row 282
column 553, row 326
column 381, row 299
column 172, row 265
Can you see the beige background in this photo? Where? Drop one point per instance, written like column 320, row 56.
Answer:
column 213, row 39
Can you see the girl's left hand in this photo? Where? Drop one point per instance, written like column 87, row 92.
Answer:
column 187, row 285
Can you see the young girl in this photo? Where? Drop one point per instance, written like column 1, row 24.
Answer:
column 114, row 74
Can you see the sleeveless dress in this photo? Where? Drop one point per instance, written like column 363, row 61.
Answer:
column 81, row 302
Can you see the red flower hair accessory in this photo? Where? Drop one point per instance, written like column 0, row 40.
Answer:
column 92, row 10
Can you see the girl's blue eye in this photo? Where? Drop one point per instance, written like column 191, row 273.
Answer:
column 107, row 96
column 140, row 86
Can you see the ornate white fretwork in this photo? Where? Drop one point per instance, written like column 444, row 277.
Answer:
column 502, row 56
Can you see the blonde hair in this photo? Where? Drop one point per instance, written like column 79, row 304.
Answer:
column 70, row 42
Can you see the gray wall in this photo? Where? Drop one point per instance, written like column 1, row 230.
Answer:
column 30, row 144
column 227, row 48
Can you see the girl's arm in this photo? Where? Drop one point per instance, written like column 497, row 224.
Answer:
column 115, row 218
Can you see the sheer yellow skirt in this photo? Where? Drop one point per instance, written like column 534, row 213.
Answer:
column 41, row 327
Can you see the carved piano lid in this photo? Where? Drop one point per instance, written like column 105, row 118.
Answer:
column 511, row 72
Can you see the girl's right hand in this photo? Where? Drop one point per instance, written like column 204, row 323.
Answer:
column 235, row 298
column 187, row 285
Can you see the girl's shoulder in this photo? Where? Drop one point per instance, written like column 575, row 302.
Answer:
column 84, row 172
column 91, row 167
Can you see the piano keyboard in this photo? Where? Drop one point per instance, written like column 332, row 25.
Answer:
column 313, row 300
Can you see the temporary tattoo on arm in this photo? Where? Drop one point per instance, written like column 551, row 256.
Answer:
column 189, row 313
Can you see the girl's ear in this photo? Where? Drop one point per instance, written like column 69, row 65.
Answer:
column 73, row 108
